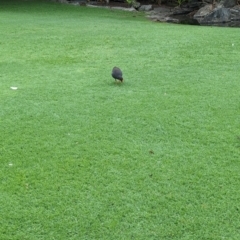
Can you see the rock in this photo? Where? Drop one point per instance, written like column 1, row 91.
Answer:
column 171, row 20
column 145, row 8
column 74, row 3
column 208, row 15
column 228, row 3
column 235, row 13
column 181, row 10
column 156, row 18
column 131, row 9
column 159, row 14
column 194, row 4
column 95, row 6
column 219, row 15
column 163, row 10
column 136, row 5
column 202, row 12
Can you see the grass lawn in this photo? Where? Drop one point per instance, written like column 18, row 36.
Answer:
column 83, row 157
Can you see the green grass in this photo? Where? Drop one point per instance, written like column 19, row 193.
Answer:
column 82, row 157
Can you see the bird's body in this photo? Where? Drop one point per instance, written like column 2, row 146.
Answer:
column 117, row 74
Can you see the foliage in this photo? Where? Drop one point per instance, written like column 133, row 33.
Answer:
column 156, row 157
column 130, row 2
column 180, row 2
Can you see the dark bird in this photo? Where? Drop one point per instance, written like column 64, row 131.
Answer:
column 117, row 74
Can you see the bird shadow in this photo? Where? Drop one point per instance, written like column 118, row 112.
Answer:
column 117, row 84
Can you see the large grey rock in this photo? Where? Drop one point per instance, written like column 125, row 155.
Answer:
column 202, row 12
column 235, row 13
column 228, row 3
column 208, row 14
column 219, row 15
column 145, row 8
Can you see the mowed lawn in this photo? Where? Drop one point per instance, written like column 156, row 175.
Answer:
column 83, row 157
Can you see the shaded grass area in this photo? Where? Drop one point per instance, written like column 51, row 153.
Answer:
column 84, row 158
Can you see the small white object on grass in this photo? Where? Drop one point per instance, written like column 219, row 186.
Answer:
column 14, row 88
column 232, row 44
column 10, row 164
